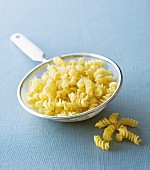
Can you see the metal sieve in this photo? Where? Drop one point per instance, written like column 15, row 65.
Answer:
column 36, row 54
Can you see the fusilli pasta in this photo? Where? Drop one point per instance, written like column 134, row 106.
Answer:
column 108, row 132
column 128, row 122
column 113, row 124
column 102, row 123
column 128, row 135
column 113, row 117
column 69, row 88
column 101, row 143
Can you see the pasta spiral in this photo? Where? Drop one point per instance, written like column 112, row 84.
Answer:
column 104, row 98
column 113, row 117
column 108, row 132
column 112, row 87
column 88, row 87
column 128, row 122
column 102, row 123
column 129, row 135
column 58, row 61
column 101, row 143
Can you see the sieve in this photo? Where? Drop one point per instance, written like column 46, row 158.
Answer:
column 36, row 54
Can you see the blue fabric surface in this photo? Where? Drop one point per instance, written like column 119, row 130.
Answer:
column 117, row 29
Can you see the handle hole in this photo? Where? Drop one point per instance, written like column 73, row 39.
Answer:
column 17, row 36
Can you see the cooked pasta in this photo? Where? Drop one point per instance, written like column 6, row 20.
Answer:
column 128, row 135
column 101, row 143
column 128, row 122
column 69, row 88
column 108, row 132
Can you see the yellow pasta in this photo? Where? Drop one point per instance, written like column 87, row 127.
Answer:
column 108, row 132
column 93, row 102
column 101, row 143
column 128, row 135
column 102, row 123
column 119, row 137
column 112, row 88
column 69, row 88
column 113, row 117
column 58, row 61
column 112, row 125
column 117, row 125
column 104, row 98
column 128, row 122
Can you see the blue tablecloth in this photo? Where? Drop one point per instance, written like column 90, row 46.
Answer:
column 117, row 29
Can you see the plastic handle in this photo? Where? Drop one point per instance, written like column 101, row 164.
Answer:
column 28, row 47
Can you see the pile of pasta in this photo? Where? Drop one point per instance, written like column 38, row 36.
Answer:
column 70, row 88
column 112, row 125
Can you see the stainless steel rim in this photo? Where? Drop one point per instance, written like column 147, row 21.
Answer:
column 120, row 81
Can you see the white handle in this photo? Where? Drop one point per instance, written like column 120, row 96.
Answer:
column 28, row 47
